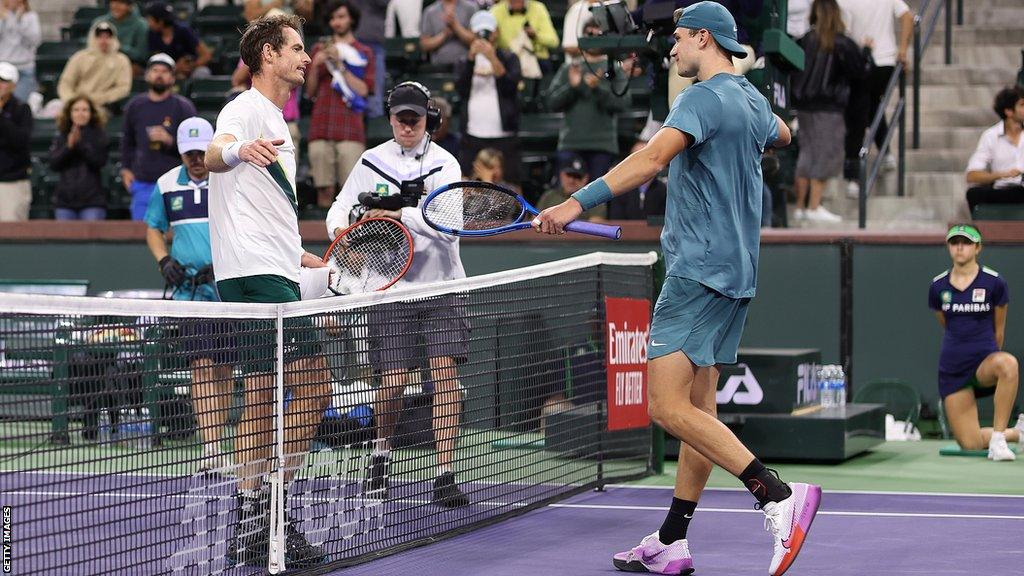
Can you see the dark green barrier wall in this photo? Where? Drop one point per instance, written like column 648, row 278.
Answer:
column 798, row 303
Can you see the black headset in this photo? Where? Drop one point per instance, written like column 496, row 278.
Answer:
column 433, row 112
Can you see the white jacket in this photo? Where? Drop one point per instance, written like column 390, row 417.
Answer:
column 380, row 170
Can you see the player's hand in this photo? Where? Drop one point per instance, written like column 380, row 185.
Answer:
column 554, row 219
column 260, row 152
column 1012, row 173
column 591, row 80
column 311, row 261
column 172, row 271
column 382, row 213
column 127, row 178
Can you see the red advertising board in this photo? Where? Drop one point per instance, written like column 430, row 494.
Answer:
column 627, row 325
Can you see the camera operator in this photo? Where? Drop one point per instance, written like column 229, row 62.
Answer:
column 388, row 181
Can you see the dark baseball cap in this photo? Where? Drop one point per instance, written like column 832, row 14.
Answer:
column 716, row 19
column 574, row 166
column 408, row 98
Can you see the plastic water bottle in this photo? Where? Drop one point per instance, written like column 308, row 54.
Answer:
column 103, row 426
column 840, row 395
column 825, row 387
column 136, row 428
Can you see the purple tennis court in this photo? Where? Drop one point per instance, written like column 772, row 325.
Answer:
column 854, row 534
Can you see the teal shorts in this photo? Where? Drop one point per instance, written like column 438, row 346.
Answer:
column 257, row 339
column 704, row 324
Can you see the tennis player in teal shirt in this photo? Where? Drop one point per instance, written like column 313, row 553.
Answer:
column 712, row 142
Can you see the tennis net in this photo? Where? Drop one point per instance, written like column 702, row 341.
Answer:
column 159, row 437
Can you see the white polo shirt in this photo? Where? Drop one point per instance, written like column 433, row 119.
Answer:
column 996, row 153
column 254, row 224
column 380, row 170
column 875, row 19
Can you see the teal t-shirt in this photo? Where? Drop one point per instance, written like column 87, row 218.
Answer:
column 713, row 212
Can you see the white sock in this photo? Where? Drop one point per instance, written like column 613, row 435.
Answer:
column 997, row 435
column 381, row 447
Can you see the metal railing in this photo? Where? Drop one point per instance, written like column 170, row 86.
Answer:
column 869, row 169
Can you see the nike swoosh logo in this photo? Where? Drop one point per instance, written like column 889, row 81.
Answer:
column 656, row 344
column 650, row 558
column 688, row 516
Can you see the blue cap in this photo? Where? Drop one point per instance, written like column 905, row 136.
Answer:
column 716, row 19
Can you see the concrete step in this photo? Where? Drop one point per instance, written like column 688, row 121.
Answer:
column 938, row 160
column 978, row 56
column 964, row 117
column 948, row 97
column 962, row 74
column 930, row 212
column 945, row 138
column 992, row 15
column 1002, row 33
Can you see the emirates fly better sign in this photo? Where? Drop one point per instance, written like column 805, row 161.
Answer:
column 627, row 326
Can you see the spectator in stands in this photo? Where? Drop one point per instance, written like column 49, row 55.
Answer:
column 132, row 31
column 445, row 34
column 571, row 177
column 371, row 33
column 525, row 28
column 337, row 132
column 19, row 37
column 254, row 9
column 591, row 103
column 241, row 80
column 15, row 132
column 99, row 70
column 403, row 18
column 994, row 170
column 489, row 166
column 180, row 203
column 78, row 154
column 167, row 36
column 873, row 21
column 487, row 81
column 833, row 63
column 443, row 136
column 648, row 199
column 572, row 27
column 150, row 123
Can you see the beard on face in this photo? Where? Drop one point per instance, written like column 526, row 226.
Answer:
column 159, row 88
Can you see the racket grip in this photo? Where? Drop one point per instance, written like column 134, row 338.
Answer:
column 602, row 230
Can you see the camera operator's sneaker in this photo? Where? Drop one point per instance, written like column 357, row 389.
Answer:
column 377, row 482
column 653, row 556
column 998, row 451
column 298, row 552
column 789, row 521
column 447, row 493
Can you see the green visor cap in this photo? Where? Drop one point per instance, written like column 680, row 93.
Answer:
column 965, row 230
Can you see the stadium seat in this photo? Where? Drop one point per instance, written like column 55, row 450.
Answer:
column 50, row 60
column 900, row 398
column 209, row 93
column 378, row 130
column 403, row 55
column 539, row 132
column 43, row 131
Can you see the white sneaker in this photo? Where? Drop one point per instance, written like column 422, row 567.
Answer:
column 821, row 214
column 214, row 460
column 852, row 189
column 998, row 451
column 889, row 163
column 789, row 522
column 1020, row 432
column 799, row 214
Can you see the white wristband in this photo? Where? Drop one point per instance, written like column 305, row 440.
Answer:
column 229, row 154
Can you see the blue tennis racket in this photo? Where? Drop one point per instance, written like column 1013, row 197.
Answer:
column 485, row 209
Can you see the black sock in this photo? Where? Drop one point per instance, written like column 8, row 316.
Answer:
column 677, row 521
column 764, row 483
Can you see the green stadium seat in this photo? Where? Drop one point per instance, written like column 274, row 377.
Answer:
column 221, row 10
column 901, row 399
column 539, row 132
column 218, row 25
column 209, row 93
column 51, row 58
column 378, row 131
column 43, row 131
column 403, row 55
column 88, row 13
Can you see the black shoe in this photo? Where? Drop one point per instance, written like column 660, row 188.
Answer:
column 447, row 493
column 298, row 552
column 377, row 482
column 250, row 542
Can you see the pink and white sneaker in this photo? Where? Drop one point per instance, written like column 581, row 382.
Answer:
column 789, row 521
column 653, row 556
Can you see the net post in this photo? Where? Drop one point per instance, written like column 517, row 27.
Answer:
column 61, row 377
column 276, row 560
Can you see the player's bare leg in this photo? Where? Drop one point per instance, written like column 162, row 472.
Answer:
column 212, row 389
column 447, row 410
column 387, row 407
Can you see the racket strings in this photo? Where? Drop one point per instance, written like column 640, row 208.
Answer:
column 471, row 208
column 369, row 257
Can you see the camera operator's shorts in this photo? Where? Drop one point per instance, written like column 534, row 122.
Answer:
column 404, row 335
column 691, row 317
column 257, row 339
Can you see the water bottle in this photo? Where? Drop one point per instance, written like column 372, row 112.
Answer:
column 136, row 429
column 825, row 389
column 103, row 426
column 840, row 388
